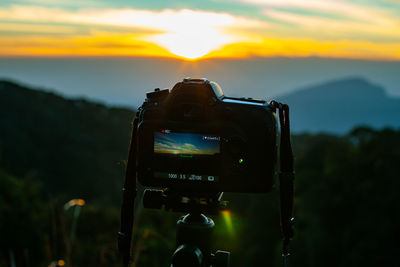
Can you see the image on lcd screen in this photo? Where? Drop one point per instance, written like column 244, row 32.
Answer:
column 186, row 144
column 186, row 156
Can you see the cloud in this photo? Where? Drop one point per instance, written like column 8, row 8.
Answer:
column 330, row 19
column 162, row 146
column 167, row 20
column 286, row 27
column 328, row 6
column 34, row 28
column 184, row 32
column 63, row 3
column 338, row 28
column 190, row 148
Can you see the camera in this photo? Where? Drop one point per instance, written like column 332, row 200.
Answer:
column 196, row 140
column 193, row 143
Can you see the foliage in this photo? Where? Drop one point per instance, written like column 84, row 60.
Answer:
column 23, row 221
column 346, row 190
column 53, row 149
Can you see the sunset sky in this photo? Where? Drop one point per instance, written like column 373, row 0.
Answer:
column 362, row 29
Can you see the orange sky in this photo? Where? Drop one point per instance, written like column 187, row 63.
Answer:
column 325, row 28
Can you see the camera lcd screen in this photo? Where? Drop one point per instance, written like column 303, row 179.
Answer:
column 186, row 156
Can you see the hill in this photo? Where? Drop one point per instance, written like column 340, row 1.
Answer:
column 75, row 147
column 338, row 106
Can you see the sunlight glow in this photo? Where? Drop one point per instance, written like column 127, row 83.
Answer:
column 197, row 36
column 185, row 33
column 192, row 44
column 226, row 214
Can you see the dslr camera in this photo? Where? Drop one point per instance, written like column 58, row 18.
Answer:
column 196, row 140
column 194, row 143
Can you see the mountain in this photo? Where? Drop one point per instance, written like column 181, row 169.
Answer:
column 124, row 81
column 74, row 147
column 338, row 106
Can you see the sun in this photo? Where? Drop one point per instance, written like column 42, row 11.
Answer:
column 192, row 44
column 192, row 35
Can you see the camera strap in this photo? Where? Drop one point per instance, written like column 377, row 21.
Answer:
column 128, row 201
column 286, row 179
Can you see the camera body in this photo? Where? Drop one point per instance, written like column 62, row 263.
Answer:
column 195, row 140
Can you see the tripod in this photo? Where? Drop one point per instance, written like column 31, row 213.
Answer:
column 194, row 230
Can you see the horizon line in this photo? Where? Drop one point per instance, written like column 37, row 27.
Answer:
column 182, row 59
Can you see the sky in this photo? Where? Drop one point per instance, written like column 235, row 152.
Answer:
column 193, row 30
column 124, row 81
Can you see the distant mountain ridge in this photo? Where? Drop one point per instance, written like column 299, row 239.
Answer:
column 335, row 106
column 338, row 106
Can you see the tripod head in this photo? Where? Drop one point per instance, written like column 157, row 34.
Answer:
column 193, row 238
column 194, row 230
